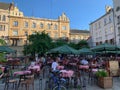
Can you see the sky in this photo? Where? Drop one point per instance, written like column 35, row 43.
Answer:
column 80, row 12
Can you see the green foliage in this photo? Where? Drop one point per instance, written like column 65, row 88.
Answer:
column 2, row 59
column 59, row 42
column 102, row 73
column 83, row 44
column 73, row 45
column 38, row 43
column 2, row 42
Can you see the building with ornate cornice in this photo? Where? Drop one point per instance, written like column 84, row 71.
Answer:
column 21, row 27
column 4, row 20
column 77, row 35
column 15, row 27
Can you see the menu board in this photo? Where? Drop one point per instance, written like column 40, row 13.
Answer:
column 114, row 67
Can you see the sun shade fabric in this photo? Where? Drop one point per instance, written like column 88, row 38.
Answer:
column 65, row 49
column 85, row 51
column 104, row 47
column 6, row 49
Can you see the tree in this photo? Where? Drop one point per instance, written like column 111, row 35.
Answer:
column 82, row 43
column 2, row 42
column 73, row 45
column 59, row 42
column 38, row 43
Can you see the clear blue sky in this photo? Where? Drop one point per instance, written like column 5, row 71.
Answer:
column 80, row 12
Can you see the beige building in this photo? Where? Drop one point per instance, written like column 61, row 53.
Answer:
column 77, row 35
column 15, row 27
column 4, row 20
column 21, row 27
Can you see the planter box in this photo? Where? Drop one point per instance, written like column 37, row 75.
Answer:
column 105, row 82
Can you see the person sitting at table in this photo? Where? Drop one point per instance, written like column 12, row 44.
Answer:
column 54, row 65
column 84, row 62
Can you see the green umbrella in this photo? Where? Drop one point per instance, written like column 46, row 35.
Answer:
column 65, row 49
column 104, row 47
column 85, row 51
column 6, row 49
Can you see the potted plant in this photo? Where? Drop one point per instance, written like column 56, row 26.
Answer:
column 104, row 80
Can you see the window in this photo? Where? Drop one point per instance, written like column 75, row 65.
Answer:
column 41, row 25
column 63, row 27
column 3, row 18
column 55, row 27
column 15, row 32
column 2, row 27
column 119, row 30
column 118, row 19
column 105, row 21
column 95, row 26
column 99, row 25
column 118, row 8
column 26, row 24
column 15, row 23
column 0, row 17
column 110, row 19
column 49, row 26
column 33, row 25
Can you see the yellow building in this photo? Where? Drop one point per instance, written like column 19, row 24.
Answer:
column 15, row 27
column 77, row 35
column 21, row 27
column 4, row 13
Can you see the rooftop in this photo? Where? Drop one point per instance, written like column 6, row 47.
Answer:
column 4, row 6
column 79, row 31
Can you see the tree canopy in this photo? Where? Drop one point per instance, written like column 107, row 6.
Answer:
column 38, row 43
column 2, row 42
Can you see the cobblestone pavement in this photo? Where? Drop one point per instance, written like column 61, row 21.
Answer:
column 116, row 86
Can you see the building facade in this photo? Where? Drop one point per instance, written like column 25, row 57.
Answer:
column 116, row 4
column 15, row 27
column 77, row 35
column 21, row 27
column 4, row 20
column 102, row 30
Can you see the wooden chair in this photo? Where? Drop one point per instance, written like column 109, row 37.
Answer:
column 9, row 80
column 29, row 81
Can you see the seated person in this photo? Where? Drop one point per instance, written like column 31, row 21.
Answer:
column 54, row 65
column 84, row 62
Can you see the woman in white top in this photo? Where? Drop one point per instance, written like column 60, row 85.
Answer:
column 54, row 65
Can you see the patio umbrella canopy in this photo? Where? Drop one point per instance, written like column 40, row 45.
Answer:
column 85, row 51
column 104, row 47
column 6, row 49
column 65, row 49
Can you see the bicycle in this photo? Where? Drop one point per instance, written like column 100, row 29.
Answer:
column 56, row 82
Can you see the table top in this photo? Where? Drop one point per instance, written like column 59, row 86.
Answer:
column 22, row 72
